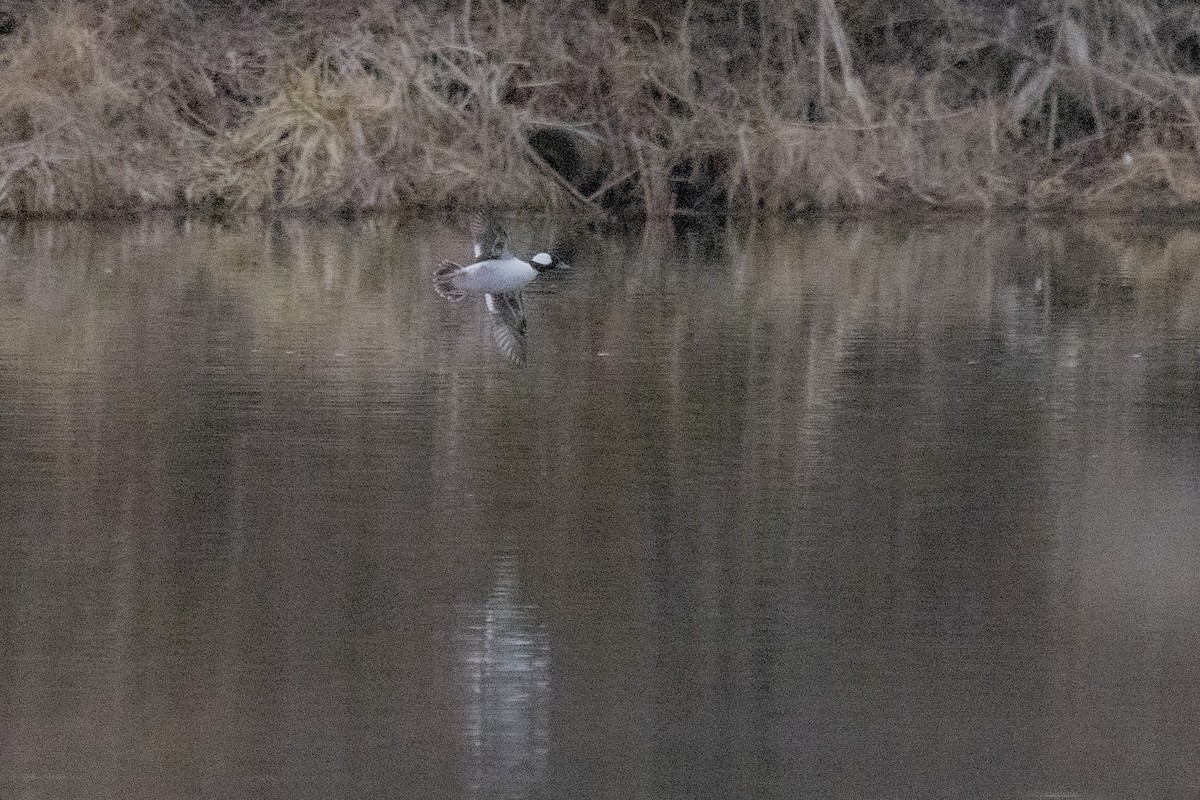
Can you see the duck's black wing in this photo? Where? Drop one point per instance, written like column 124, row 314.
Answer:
column 507, row 312
column 491, row 240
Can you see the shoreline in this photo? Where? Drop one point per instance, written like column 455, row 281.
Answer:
column 453, row 215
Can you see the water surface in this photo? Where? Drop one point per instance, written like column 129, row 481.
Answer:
column 832, row 510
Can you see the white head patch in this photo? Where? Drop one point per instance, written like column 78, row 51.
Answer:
column 543, row 259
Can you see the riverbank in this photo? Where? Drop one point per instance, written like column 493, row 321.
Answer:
column 627, row 108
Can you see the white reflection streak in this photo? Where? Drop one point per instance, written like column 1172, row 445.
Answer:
column 504, row 651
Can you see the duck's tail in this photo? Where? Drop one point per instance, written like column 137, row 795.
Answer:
column 443, row 281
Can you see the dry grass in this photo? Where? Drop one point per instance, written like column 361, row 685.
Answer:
column 641, row 108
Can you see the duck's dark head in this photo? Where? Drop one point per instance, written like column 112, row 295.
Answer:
column 544, row 261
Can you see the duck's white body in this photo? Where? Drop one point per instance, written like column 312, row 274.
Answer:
column 494, row 276
column 502, row 274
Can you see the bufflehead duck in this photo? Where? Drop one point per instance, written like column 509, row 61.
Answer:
column 497, row 270
column 499, row 276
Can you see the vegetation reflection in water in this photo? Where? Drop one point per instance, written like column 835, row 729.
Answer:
column 841, row 508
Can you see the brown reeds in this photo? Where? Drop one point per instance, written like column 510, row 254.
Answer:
column 635, row 107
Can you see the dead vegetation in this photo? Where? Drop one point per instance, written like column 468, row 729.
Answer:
column 636, row 107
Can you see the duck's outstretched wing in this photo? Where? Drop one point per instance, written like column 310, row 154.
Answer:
column 491, row 240
column 507, row 312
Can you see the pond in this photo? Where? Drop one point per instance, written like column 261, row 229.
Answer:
column 884, row 509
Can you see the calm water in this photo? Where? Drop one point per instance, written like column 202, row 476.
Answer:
column 838, row 510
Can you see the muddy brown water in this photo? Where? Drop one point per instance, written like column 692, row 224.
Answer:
column 847, row 510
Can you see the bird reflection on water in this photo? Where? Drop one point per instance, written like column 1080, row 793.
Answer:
column 505, row 660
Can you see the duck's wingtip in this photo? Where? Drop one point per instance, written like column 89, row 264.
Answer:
column 478, row 224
